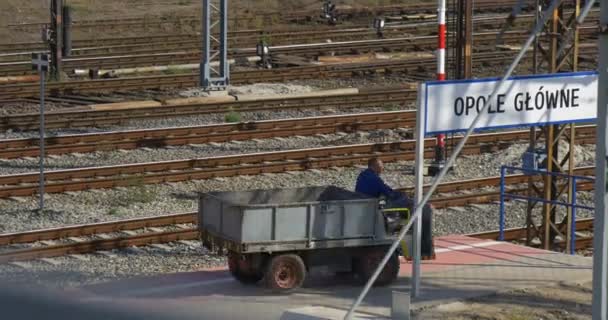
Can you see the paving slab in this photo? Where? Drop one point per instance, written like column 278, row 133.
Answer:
column 465, row 268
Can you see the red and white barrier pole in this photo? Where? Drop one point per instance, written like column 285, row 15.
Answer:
column 441, row 44
column 441, row 40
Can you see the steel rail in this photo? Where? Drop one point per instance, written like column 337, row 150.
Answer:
column 154, row 138
column 12, row 91
column 98, row 245
column 190, row 218
column 93, row 118
column 244, row 77
column 151, row 138
column 188, row 52
column 224, row 166
column 161, row 43
column 96, row 228
column 520, row 233
column 125, row 241
column 188, row 55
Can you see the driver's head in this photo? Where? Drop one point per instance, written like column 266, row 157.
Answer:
column 375, row 165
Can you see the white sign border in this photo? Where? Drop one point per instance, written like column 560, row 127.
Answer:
column 426, row 85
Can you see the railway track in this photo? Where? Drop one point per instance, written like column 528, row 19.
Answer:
column 157, row 138
column 97, row 118
column 59, row 181
column 185, row 233
column 186, row 42
column 276, row 36
column 96, row 228
column 180, row 54
column 13, row 91
column 517, row 234
column 412, row 65
column 187, row 55
column 154, row 138
column 85, row 47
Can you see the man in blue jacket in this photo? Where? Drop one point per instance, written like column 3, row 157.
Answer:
column 370, row 183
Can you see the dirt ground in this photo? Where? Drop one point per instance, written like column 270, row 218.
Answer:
column 566, row 301
column 31, row 11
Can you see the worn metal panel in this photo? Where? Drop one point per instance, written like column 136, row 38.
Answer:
column 257, row 225
column 327, row 222
column 291, row 223
column 359, row 219
column 211, row 211
column 276, row 218
column 232, row 222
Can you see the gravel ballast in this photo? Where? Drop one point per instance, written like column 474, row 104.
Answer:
column 20, row 214
column 67, row 161
column 144, row 200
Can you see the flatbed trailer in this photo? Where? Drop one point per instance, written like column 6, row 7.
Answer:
column 278, row 235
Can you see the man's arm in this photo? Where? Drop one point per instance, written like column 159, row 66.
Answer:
column 384, row 188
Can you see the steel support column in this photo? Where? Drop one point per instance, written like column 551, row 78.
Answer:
column 600, row 223
column 556, row 51
column 214, row 68
column 56, row 39
column 464, row 40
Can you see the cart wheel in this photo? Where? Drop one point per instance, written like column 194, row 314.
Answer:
column 366, row 264
column 242, row 269
column 285, row 272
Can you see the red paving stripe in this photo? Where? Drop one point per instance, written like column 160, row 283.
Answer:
column 488, row 251
column 499, row 252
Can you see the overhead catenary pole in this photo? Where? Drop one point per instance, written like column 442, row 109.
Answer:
column 600, row 224
column 215, row 46
column 558, row 53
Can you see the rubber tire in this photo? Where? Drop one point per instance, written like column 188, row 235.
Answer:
column 366, row 264
column 243, row 276
column 296, row 273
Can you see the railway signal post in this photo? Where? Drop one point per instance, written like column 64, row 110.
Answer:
column 40, row 62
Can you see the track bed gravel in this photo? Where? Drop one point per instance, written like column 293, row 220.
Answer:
column 143, row 200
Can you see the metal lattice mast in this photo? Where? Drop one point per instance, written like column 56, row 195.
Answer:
column 215, row 71
column 556, row 51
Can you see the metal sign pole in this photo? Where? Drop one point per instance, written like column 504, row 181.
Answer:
column 600, row 224
column 40, row 62
column 41, row 181
column 419, row 183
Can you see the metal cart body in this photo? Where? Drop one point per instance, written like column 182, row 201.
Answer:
column 326, row 226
